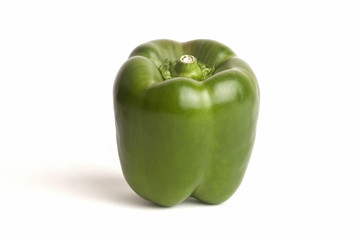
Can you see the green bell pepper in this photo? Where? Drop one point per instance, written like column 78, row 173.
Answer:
column 186, row 117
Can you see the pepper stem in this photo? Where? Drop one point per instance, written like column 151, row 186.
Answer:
column 187, row 66
column 187, row 59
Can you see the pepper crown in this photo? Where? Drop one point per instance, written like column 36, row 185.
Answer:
column 186, row 66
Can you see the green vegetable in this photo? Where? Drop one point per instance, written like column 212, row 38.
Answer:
column 186, row 117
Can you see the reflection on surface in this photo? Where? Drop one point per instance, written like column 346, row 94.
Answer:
column 225, row 91
column 191, row 98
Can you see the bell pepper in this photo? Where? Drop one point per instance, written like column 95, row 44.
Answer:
column 186, row 117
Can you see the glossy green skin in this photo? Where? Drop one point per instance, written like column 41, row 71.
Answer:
column 182, row 137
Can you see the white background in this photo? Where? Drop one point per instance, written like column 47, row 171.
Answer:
column 60, row 176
